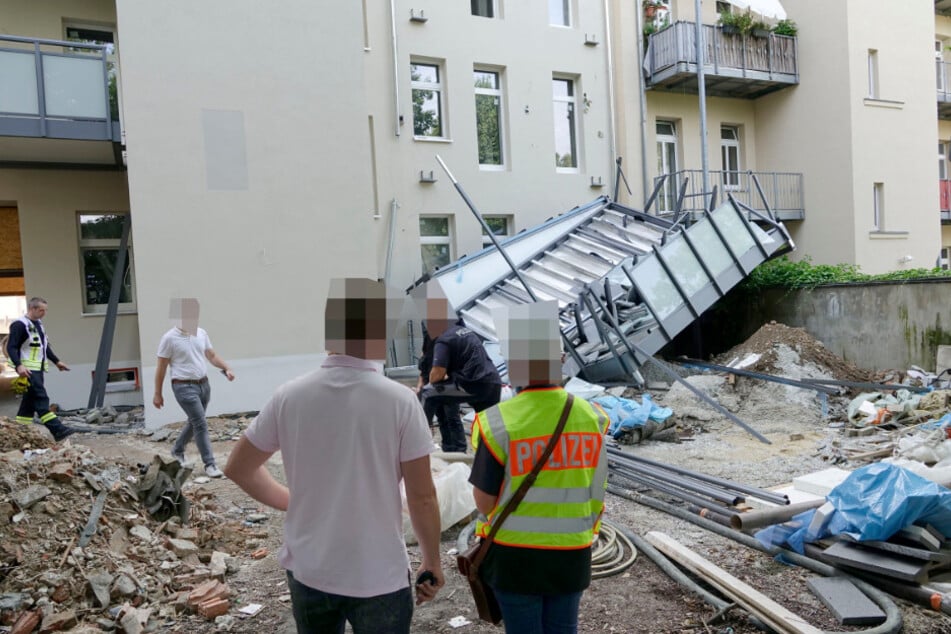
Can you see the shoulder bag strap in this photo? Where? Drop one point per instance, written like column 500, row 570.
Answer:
column 526, row 483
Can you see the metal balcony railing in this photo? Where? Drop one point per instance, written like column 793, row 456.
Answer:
column 770, row 59
column 783, row 191
column 57, row 89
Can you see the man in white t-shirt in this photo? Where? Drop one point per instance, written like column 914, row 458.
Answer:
column 184, row 349
column 348, row 436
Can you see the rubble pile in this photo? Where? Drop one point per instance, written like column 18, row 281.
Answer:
column 79, row 547
column 220, row 428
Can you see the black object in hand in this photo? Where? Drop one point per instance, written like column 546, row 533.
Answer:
column 426, row 576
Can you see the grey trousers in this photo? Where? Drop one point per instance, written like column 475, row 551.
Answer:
column 193, row 398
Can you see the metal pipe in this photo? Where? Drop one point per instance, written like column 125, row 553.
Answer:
column 396, row 69
column 757, row 375
column 720, row 495
column 612, row 120
column 729, row 484
column 394, row 206
column 488, row 231
column 672, row 491
column 642, row 98
column 759, row 518
column 702, row 96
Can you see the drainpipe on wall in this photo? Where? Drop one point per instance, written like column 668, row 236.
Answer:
column 612, row 122
column 702, row 91
column 394, row 205
column 642, row 94
column 396, row 69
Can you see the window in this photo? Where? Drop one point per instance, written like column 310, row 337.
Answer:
column 942, row 161
column 99, row 236
column 667, row 164
column 435, row 241
column 428, row 105
column 730, row 156
column 488, row 102
column 873, row 87
column 121, row 379
column 878, row 206
column 501, row 226
column 104, row 36
column 939, row 65
column 559, row 12
column 483, row 8
column 944, row 262
column 566, row 133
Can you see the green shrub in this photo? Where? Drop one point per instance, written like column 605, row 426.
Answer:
column 784, row 273
column 785, row 27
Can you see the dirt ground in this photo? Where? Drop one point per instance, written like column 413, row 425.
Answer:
column 643, row 599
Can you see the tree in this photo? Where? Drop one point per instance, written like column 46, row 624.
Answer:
column 487, row 124
column 425, row 121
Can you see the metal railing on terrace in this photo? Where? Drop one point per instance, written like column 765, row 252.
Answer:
column 944, row 199
column 769, row 59
column 783, row 191
column 57, row 89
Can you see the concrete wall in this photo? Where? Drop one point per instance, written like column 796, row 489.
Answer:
column 875, row 326
column 249, row 171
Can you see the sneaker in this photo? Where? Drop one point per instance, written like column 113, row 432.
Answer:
column 180, row 457
column 213, row 472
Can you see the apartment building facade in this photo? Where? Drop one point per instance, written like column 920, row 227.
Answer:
column 258, row 158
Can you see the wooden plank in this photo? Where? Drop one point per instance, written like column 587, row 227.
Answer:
column 878, row 562
column 779, row 617
column 848, row 603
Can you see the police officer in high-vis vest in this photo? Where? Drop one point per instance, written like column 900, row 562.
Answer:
column 540, row 560
column 28, row 350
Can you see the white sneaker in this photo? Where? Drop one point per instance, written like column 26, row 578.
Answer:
column 213, row 472
column 180, row 457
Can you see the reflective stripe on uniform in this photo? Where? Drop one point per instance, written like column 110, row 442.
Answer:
column 549, row 525
column 557, row 495
column 47, row 417
column 23, row 420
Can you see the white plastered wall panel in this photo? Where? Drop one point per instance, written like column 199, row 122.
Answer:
column 202, row 81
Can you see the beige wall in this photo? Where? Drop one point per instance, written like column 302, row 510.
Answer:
column 528, row 51
column 256, row 241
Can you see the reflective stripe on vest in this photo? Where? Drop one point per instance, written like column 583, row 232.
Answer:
column 562, row 510
column 33, row 350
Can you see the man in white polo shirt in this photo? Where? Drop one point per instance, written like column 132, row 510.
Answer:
column 184, row 349
column 348, row 436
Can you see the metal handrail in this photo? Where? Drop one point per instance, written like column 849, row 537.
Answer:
column 782, row 190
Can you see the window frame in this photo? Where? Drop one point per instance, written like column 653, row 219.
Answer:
column 439, row 88
column 942, row 161
column 731, row 176
column 492, row 5
column 874, row 87
column 878, row 206
column 668, row 147
column 99, row 244
column 573, row 128
column 448, row 239
column 568, row 21
column 499, row 93
column 509, row 227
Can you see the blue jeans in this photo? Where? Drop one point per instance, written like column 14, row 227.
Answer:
column 317, row 612
column 193, row 398
column 539, row 613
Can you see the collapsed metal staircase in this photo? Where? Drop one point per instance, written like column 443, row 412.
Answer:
column 626, row 282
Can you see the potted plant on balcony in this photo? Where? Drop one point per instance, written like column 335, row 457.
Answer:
column 760, row 29
column 736, row 23
column 651, row 7
column 785, row 27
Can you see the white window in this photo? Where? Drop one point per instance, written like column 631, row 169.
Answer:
column 878, row 206
column 667, row 164
column 730, row 156
column 99, row 236
column 435, row 241
column 939, row 65
column 566, row 131
column 484, row 8
column 944, row 262
column 501, row 227
column 873, row 85
column 428, row 103
column 942, row 161
column 104, row 36
column 488, row 103
column 559, row 12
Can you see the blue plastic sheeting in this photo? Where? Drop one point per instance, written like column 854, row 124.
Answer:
column 626, row 413
column 873, row 503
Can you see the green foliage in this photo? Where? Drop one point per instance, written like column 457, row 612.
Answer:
column 785, row 27
column 784, row 273
column 742, row 22
column 760, row 28
column 488, row 111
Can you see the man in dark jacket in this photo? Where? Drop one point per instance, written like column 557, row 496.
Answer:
column 447, row 411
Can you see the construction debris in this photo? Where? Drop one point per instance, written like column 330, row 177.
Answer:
column 135, row 572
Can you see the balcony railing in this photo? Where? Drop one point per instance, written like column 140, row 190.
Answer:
column 944, row 197
column 943, row 78
column 761, row 64
column 56, row 89
column 783, row 191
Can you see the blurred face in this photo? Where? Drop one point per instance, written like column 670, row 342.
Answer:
column 358, row 320
column 184, row 314
column 37, row 312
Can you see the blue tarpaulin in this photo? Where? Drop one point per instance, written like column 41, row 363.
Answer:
column 626, row 413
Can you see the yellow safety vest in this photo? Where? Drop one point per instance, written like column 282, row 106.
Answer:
column 33, row 350
column 562, row 509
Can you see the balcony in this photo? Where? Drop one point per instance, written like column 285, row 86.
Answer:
column 944, row 193
column 735, row 65
column 943, row 76
column 58, row 104
column 783, row 192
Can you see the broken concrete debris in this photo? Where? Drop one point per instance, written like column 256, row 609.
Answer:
column 136, row 573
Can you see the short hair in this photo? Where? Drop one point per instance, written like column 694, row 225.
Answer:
column 36, row 301
column 360, row 313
